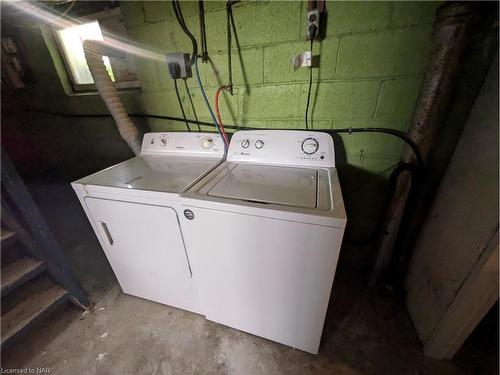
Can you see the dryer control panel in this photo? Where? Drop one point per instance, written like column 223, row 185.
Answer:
column 292, row 147
column 182, row 143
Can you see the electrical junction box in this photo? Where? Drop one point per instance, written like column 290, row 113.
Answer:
column 178, row 65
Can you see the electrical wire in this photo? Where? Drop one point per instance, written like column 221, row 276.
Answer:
column 179, row 13
column 230, row 20
column 229, row 57
column 203, row 31
column 310, row 85
column 396, row 133
column 204, row 95
column 414, row 169
column 192, row 105
column 180, row 19
column 217, row 111
column 388, row 131
column 194, row 61
column 180, row 105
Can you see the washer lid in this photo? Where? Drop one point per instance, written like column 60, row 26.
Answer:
column 270, row 184
column 165, row 174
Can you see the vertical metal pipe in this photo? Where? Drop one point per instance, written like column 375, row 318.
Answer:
column 451, row 32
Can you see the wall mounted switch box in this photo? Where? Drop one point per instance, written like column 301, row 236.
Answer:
column 178, row 65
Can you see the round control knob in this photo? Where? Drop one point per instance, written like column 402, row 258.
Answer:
column 163, row 142
column 207, row 142
column 310, row 146
column 259, row 144
column 245, row 143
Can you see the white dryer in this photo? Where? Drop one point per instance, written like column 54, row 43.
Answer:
column 134, row 210
column 264, row 231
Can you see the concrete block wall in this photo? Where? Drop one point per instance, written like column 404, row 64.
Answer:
column 39, row 143
column 372, row 63
column 371, row 67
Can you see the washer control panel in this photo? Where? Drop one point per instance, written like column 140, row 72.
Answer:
column 282, row 147
column 182, row 143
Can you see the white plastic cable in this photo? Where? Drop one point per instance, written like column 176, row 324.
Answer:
column 106, row 88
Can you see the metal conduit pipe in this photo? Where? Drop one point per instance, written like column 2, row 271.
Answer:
column 450, row 36
column 94, row 51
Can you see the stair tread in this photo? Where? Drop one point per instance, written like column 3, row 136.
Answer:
column 20, row 271
column 15, row 320
column 6, row 234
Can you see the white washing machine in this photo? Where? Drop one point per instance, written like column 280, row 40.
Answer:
column 264, row 231
column 134, row 210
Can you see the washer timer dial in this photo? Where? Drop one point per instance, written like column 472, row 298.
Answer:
column 207, row 142
column 309, row 146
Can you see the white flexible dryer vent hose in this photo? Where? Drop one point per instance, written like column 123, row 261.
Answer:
column 94, row 51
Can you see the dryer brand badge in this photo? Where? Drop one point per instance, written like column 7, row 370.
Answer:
column 189, row 214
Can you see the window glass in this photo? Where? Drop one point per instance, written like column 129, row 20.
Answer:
column 71, row 40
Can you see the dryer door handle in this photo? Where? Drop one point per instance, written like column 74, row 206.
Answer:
column 106, row 231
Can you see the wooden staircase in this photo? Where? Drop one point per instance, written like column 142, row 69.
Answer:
column 7, row 236
column 38, row 300
column 36, row 276
column 28, row 293
column 20, row 272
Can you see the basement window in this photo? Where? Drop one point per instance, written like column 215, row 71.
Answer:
column 71, row 42
column 75, row 73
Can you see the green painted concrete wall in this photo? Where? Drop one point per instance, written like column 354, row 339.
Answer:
column 372, row 64
column 371, row 67
column 40, row 143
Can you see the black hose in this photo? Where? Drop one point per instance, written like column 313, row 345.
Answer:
column 396, row 133
column 393, row 180
column 400, row 257
column 401, row 167
column 180, row 19
column 180, row 105
column 393, row 132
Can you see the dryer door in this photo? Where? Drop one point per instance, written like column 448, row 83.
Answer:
column 145, row 247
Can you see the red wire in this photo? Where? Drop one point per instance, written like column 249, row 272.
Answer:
column 221, row 125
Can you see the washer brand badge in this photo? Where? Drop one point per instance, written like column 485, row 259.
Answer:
column 189, row 214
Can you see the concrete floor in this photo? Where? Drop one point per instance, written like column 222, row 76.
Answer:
column 364, row 334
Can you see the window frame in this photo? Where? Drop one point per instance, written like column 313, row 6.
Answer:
column 59, row 58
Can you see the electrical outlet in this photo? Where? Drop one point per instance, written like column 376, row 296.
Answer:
column 312, row 31
column 178, row 65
